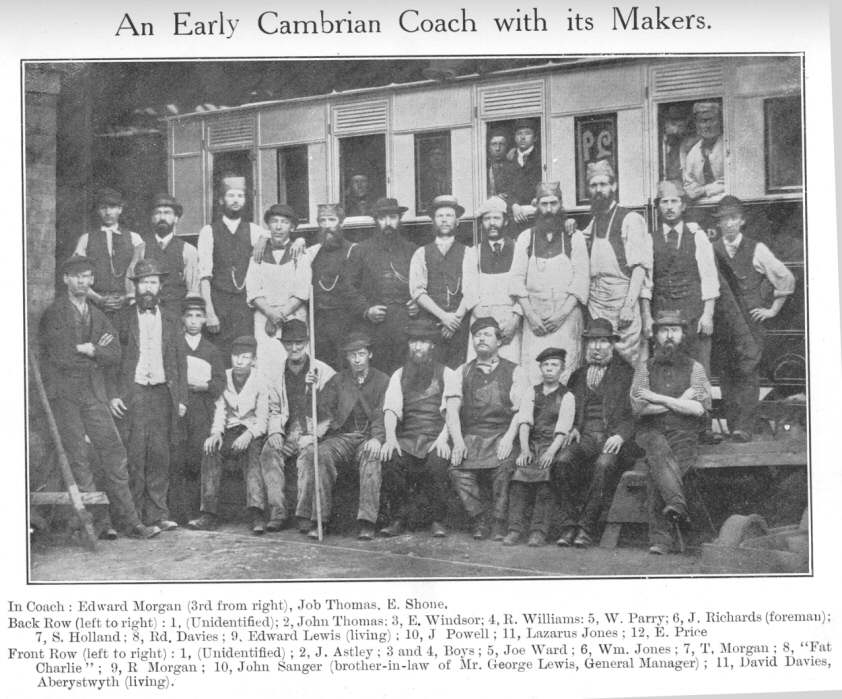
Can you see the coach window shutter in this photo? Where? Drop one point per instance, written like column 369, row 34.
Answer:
column 360, row 117
column 692, row 78
column 231, row 130
column 517, row 99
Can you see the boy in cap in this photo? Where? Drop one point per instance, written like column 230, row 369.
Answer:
column 546, row 418
column 175, row 256
column 239, row 425
column 78, row 345
column 205, row 383
column 704, row 169
column 113, row 251
column 761, row 284
column 350, row 432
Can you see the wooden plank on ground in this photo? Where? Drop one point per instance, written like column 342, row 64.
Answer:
column 42, row 498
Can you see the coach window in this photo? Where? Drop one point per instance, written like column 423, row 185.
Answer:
column 235, row 163
column 293, row 188
column 433, row 176
column 783, row 135
column 362, row 168
column 513, row 158
column 691, row 147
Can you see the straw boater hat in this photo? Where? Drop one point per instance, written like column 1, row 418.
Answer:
column 165, row 199
column 669, row 318
column 446, row 200
column 146, row 268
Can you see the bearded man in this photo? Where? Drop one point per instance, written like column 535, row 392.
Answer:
column 385, row 259
column 603, row 425
column 670, row 395
column 550, row 279
column 179, row 259
column 620, row 250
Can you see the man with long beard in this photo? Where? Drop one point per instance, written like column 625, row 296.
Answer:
column 443, row 280
column 620, row 250
column 670, row 395
column 149, row 394
column 179, row 259
column 225, row 248
column 550, row 279
column 415, row 452
column 385, row 257
column 336, row 268
column 496, row 252
column 603, row 425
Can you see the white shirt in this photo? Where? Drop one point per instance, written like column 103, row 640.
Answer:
column 190, row 256
column 150, row 362
column 205, row 243
column 704, row 257
column 82, row 243
column 418, row 272
column 521, row 155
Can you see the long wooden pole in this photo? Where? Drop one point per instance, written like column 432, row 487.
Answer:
column 311, row 332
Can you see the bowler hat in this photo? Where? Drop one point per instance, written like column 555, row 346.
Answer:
column 669, row 318
column 387, row 205
column 729, row 205
column 165, row 199
column 193, row 303
column 76, row 264
column 281, row 210
column 446, row 200
column 600, row 327
column 106, row 196
column 551, row 353
column 356, row 341
column 146, row 268
column 421, row 329
column 294, row 330
column 484, row 322
column 244, row 343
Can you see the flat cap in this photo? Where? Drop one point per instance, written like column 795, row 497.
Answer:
column 281, row 210
column 106, row 196
column 526, row 124
column 244, row 343
column 729, row 205
column 670, row 318
column 551, row 353
column 165, row 199
column 356, row 341
column 193, row 303
column 484, row 322
column 76, row 264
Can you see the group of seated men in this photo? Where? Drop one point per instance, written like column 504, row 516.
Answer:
column 517, row 372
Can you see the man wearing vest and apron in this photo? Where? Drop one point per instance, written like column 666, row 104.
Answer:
column 550, row 279
column 496, row 253
column 620, row 262
column 225, row 248
column 179, row 259
column 482, row 417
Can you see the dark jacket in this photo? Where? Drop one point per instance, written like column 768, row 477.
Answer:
column 615, row 387
column 339, row 396
column 121, row 384
column 64, row 370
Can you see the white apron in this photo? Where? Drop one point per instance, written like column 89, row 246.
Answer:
column 494, row 301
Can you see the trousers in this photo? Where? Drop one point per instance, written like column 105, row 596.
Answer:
column 259, row 493
column 416, row 487
column 331, row 330
column 235, row 319
column 186, row 461
column 470, row 484
column 540, row 497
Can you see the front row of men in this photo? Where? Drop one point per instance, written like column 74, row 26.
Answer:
column 506, row 446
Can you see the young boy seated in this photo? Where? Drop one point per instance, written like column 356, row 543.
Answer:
column 546, row 418
column 237, row 433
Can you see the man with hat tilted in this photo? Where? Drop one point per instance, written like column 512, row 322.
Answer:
column 416, row 453
column 443, row 280
column 225, row 248
column 175, row 256
column 277, row 284
column 550, row 279
column 149, row 393
column 78, row 345
column 761, row 284
column 527, row 174
column 482, row 417
column 620, row 251
column 496, row 252
column 385, row 258
column 670, row 395
column 350, row 432
column 113, row 250
column 704, row 169
column 603, row 426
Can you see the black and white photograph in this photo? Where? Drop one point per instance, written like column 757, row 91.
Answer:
column 416, row 318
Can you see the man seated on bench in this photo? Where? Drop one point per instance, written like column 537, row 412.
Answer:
column 670, row 394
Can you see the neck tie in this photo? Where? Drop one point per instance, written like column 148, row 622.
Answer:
column 707, row 168
column 672, row 237
column 496, row 248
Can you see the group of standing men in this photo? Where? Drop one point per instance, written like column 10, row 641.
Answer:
column 434, row 365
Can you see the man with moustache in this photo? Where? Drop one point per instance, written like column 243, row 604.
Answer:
column 350, row 433
column 149, row 394
column 620, row 250
column 384, row 278
column 501, row 170
column 78, row 346
column 603, row 425
column 225, row 248
column 704, row 169
column 550, row 279
column 336, row 267
column 670, row 395
column 358, row 196
column 482, row 418
column 684, row 274
column 443, row 281
column 113, row 251
column 496, row 252
column 179, row 259
column 415, row 451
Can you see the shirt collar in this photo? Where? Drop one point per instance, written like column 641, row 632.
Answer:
column 732, row 248
column 679, row 227
column 81, row 307
column 489, row 366
column 193, row 340
column 232, row 224
column 113, row 229
column 163, row 242
column 523, row 154
column 444, row 243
